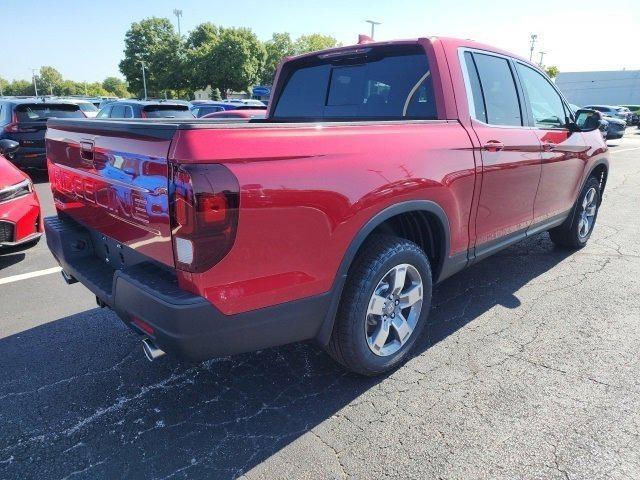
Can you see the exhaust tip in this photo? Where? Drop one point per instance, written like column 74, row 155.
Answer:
column 151, row 351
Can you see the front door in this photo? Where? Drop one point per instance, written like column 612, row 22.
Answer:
column 564, row 153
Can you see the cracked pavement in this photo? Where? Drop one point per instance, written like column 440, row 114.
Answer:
column 528, row 369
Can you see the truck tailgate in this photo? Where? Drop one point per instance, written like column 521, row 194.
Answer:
column 112, row 177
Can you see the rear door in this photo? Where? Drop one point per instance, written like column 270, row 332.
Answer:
column 563, row 152
column 113, row 178
column 510, row 150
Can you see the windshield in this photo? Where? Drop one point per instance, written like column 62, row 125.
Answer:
column 42, row 111
column 167, row 111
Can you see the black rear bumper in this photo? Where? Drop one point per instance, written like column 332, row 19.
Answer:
column 184, row 324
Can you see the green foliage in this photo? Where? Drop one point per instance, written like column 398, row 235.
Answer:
column 314, row 42
column 115, row 86
column 280, row 45
column 236, row 60
column 18, row 87
column 552, row 71
column 215, row 94
column 154, row 42
column 49, row 81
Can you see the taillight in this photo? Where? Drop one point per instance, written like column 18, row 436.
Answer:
column 14, row 126
column 204, row 215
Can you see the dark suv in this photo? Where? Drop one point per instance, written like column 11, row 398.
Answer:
column 25, row 121
column 144, row 109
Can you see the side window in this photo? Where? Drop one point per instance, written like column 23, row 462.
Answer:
column 117, row 112
column 128, row 112
column 546, row 104
column 476, row 90
column 499, row 90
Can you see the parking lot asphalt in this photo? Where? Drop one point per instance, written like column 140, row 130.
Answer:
column 528, row 369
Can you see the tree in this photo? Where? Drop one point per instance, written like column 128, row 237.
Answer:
column 115, row 86
column 237, row 60
column 200, row 45
column 3, row 86
column 278, row 47
column 154, row 42
column 314, row 42
column 19, row 87
column 552, row 71
column 49, row 80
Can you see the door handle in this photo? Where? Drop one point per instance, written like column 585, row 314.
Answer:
column 549, row 146
column 493, row 146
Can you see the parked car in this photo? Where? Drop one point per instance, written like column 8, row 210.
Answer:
column 635, row 111
column 249, row 102
column 627, row 113
column 87, row 107
column 145, row 109
column 609, row 111
column 25, row 121
column 380, row 170
column 615, row 127
column 246, row 113
column 200, row 108
column 20, row 220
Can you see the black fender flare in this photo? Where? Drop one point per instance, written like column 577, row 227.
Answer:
column 598, row 163
column 324, row 333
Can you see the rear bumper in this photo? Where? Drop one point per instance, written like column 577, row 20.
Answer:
column 30, row 158
column 183, row 324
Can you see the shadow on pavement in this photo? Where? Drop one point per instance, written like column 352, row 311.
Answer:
column 8, row 258
column 76, row 394
column 38, row 176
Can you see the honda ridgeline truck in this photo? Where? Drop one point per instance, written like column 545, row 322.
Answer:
column 380, row 170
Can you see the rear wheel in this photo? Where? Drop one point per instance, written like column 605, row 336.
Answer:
column 384, row 306
column 576, row 235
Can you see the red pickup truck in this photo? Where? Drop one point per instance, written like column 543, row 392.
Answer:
column 380, row 169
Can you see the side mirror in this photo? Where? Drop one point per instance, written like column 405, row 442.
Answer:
column 588, row 120
column 7, row 147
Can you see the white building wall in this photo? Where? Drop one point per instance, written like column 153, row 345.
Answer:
column 603, row 88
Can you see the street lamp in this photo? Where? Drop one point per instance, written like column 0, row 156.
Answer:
column 178, row 14
column 373, row 26
column 33, row 76
column 541, row 58
column 534, row 37
column 144, row 79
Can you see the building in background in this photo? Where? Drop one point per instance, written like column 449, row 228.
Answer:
column 604, row 88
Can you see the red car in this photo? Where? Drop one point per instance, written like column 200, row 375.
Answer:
column 20, row 222
column 247, row 113
column 380, row 170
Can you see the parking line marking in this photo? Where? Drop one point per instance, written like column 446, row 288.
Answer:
column 625, row 150
column 25, row 276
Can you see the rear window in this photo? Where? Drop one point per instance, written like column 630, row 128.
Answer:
column 380, row 83
column 167, row 111
column 88, row 107
column 41, row 111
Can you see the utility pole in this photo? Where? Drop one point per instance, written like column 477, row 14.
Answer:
column 534, row 37
column 33, row 76
column 541, row 58
column 373, row 26
column 178, row 14
column 144, row 80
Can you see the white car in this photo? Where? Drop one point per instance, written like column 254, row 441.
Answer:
column 88, row 108
column 249, row 102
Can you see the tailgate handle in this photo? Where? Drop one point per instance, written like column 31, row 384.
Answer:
column 86, row 150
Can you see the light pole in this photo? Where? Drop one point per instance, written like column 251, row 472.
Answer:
column 178, row 14
column 534, row 37
column 144, row 80
column 541, row 58
column 373, row 26
column 35, row 84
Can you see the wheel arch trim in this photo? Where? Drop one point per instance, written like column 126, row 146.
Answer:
column 427, row 206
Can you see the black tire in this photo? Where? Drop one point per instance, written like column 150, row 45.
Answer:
column 348, row 344
column 568, row 235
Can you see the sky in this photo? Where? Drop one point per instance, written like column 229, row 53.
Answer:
column 84, row 39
